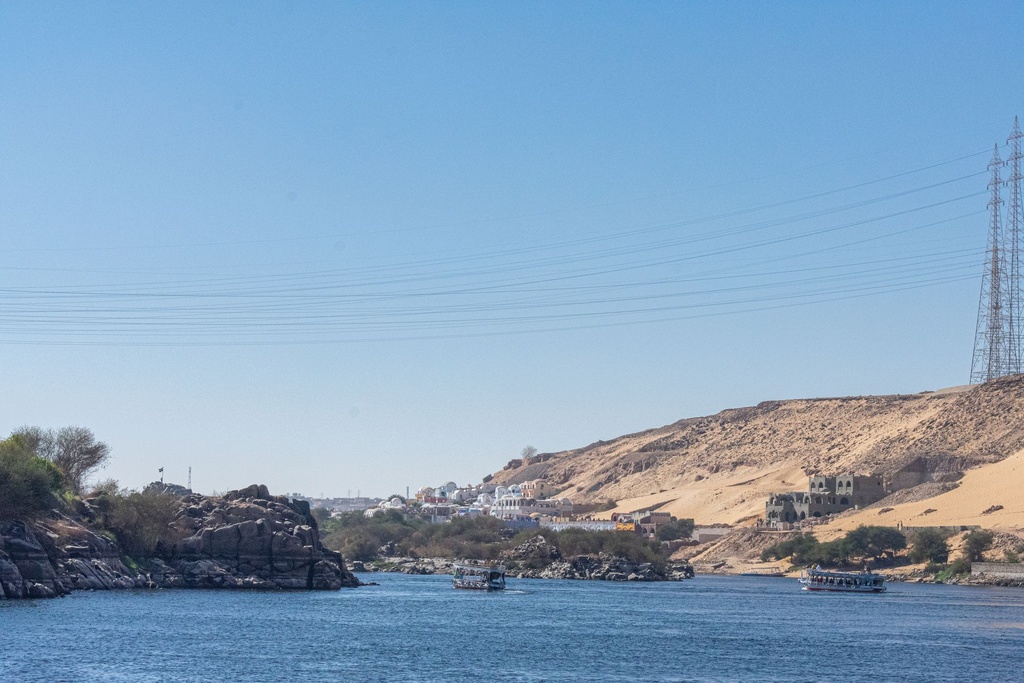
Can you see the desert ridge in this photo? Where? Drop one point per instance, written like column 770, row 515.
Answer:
column 946, row 456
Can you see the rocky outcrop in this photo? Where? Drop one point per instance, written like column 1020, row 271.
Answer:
column 246, row 539
column 536, row 558
column 533, row 552
column 51, row 557
column 408, row 565
column 604, row 567
column 25, row 569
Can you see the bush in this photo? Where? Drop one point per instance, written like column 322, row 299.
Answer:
column 862, row 542
column 960, row 566
column 479, row 538
column 29, row 484
column 141, row 520
column 976, row 543
column 74, row 450
column 929, row 545
column 678, row 528
column 359, row 538
column 803, row 548
column 874, row 542
column 833, row 553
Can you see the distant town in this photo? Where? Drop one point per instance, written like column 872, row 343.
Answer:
column 528, row 505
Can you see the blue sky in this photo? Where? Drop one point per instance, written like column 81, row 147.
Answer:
column 358, row 247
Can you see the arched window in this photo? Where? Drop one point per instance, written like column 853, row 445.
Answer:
column 818, row 500
column 844, row 501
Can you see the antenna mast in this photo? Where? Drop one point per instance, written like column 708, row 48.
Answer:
column 989, row 339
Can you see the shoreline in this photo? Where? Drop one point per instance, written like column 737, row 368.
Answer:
column 581, row 568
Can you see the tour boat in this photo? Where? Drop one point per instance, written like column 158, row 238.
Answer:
column 817, row 579
column 478, row 577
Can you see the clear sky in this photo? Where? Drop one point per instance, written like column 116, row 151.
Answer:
column 341, row 247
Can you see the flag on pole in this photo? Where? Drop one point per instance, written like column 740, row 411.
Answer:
column 160, row 470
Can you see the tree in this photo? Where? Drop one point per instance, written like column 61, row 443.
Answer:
column 74, row 450
column 527, row 453
column 676, row 529
column 929, row 545
column 875, row 541
column 803, row 548
column 976, row 543
column 28, row 484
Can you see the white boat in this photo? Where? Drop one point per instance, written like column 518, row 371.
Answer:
column 818, row 579
column 478, row 577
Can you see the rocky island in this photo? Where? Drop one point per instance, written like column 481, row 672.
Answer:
column 245, row 539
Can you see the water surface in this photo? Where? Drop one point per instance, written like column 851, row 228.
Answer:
column 417, row 628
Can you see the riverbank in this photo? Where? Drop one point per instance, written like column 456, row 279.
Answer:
column 600, row 567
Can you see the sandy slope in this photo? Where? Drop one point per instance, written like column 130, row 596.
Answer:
column 999, row 483
column 720, row 468
column 736, row 497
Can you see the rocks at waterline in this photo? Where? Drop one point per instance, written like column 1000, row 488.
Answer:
column 51, row 557
column 406, row 565
column 246, row 539
column 547, row 563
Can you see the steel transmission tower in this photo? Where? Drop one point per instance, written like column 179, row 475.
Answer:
column 989, row 336
column 1011, row 251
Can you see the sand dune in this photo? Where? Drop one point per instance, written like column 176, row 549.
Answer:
column 720, row 468
column 997, row 484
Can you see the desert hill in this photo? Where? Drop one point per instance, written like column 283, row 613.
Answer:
column 720, row 468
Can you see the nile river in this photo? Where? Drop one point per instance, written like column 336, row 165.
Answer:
column 417, row 628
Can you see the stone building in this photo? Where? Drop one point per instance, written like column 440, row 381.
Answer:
column 824, row 496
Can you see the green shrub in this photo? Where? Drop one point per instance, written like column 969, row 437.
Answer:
column 976, row 543
column 803, row 548
column 929, row 545
column 141, row 520
column 678, row 528
column 29, row 485
column 74, row 450
column 862, row 542
column 956, row 567
column 482, row 538
column 874, row 542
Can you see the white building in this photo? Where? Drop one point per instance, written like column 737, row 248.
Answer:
column 509, row 506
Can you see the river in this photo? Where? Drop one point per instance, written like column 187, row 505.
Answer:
column 417, row 628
